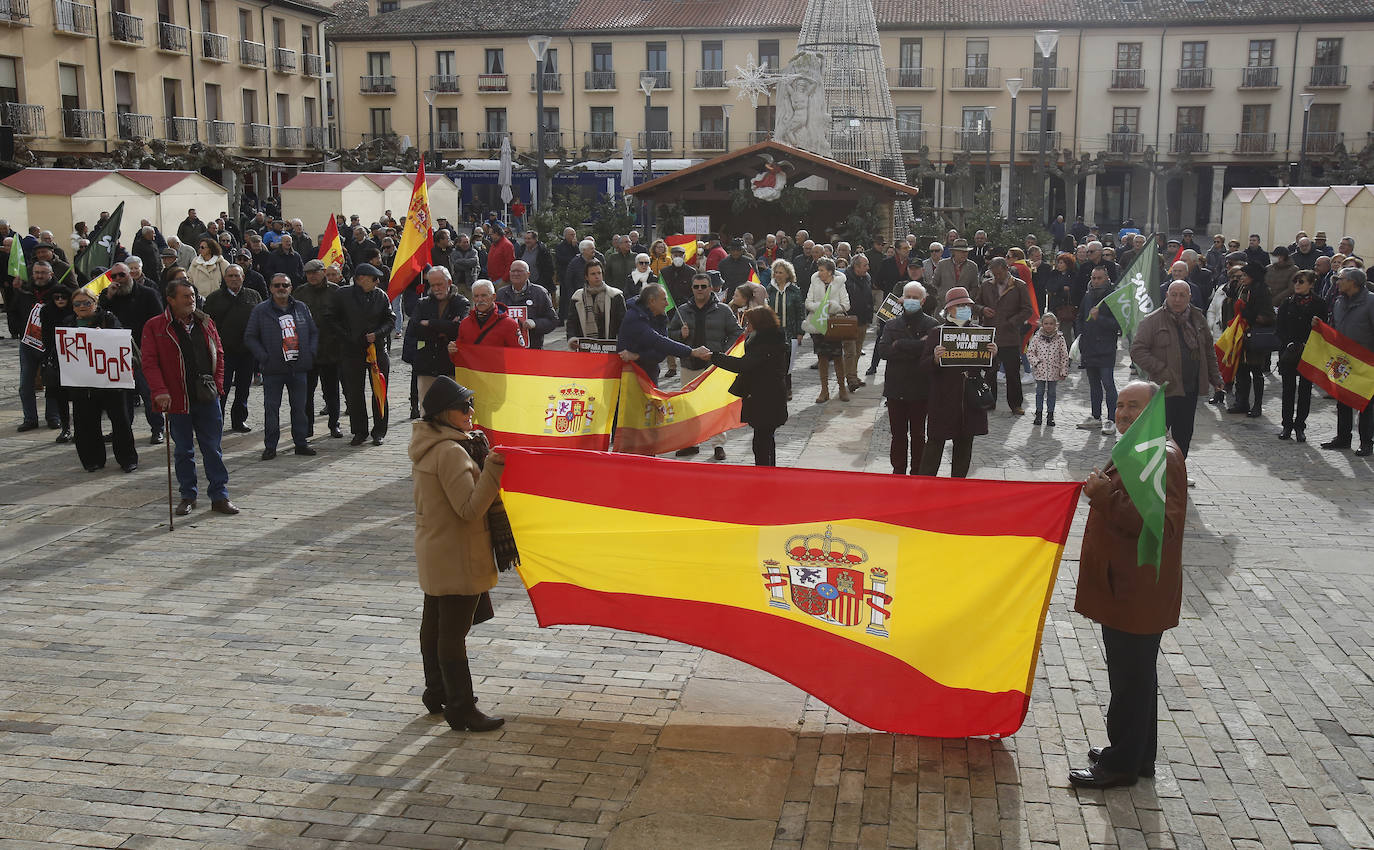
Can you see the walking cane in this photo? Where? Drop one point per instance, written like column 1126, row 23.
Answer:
column 171, row 521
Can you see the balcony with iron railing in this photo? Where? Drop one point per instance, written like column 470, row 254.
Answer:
column 911, row 78
column 1327, row 77
column 132, row 125
column 756, row 136
column 253, row 54
column 1128, row 79
column 312, row 65
column 911, row 140
column 126, row 28
column 493, row 83
column 26, row 119
column 1323, row 142
column 1256, row 142
column 214, row 47
column 490, row 140
column 1259, row 77
column 14, row 12
column 975, row 78
column 662, row 79
column 173, row 39
column 83, row 124
column 1058, row 78
column 658, row 140
column 283, row 60
column 73, row 18
column 709, row 78
column 1190, row 142
column 1122, row 143
column 708, row 140
column 377, row 84
column 317, row 138
column 180, row 130
column 257, row 135
column 1030, row 140
column 290, row 138
column 553, row 140
column 444, row 83
column 973, row 141
column 449, row 140
column 219, row 132
column 599, row 140
column 598, row 80
column 552, row 83
column 1194, row 78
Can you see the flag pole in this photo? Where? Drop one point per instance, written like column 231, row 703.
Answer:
column 171, row 517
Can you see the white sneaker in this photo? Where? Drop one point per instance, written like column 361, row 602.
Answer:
column 1090, row 424
column 1192, row 483
column 1108, row 427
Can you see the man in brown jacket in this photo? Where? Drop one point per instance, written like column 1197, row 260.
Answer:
column 1006, row 305
column 1133, row 603
column 955, row 270
column 1174, row 345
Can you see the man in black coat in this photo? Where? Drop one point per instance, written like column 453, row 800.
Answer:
column 537, row 258
column 316, row 295
column 284, row 259
column 905, row 386
column 859, row 283
column 534, row 300
column 361, row 315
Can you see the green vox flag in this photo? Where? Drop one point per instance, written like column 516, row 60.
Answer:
column 1140, row 457
column 672, row 305
column 17, row 266
column 1132, row 300
column 104, row 239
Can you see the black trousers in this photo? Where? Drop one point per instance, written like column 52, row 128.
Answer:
column 907, row 420
column 1132, row 714
column 765, row 446
column 1345, row 421
column 1010, row 358
column 1180, row 412
column 326, row 376
column 1247, row 377
column 238, row 376
column 1297, row 393
column 353, row 375
column 935, row 450
column 444, row 625
column 87, row 407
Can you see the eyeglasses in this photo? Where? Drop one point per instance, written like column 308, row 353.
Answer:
column 81, row 303
column 701, row 286
column 642, row 263
column 281, row 286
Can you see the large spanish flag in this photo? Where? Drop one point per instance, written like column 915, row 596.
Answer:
column 912, row 605
column 687, row 243
column 417, row 239
column 331, row 246
column 1339, row 365
column 533, row 397
column 652, row 421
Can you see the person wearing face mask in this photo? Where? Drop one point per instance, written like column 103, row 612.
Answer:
column 905, row 386
column 951, row 416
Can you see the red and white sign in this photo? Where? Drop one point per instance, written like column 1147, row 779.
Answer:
column 97, row 358
column 520, row 313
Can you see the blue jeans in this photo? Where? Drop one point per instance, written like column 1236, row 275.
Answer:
column 294, row 382
column 202, row 425
column 1101, row 384
column 1045, row 391
column 30, row 361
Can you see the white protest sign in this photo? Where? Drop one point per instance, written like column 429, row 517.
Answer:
column 696, row 224
column 97, row 358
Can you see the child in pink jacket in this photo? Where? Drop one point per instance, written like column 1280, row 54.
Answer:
column 1049, row 360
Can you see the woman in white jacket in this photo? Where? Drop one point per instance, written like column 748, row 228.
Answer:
column 828, row 285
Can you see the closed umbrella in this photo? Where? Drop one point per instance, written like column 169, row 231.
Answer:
column 627, row 170
column 506, row 174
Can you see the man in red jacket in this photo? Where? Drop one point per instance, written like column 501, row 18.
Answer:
column 501, row 255
column 183, row 361
column 487, row 323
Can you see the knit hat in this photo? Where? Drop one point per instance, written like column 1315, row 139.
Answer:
column 447, row 394
column 956, row 296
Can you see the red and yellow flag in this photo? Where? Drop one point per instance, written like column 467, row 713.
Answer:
column 688, row 244
column 864, row 593
column 652, row 421
column 99, row 285
column 754, row 276
column 532, row 397
column 1230, row 346
column 417, row 240
column 374, row 374
column 331, row 246
column 1339, row 365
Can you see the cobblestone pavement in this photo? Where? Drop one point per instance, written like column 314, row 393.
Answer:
column 254, row 680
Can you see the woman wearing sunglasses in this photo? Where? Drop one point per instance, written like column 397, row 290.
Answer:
column 88, row 403
column 56, row 311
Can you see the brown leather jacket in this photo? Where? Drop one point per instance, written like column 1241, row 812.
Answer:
column 1112, row 588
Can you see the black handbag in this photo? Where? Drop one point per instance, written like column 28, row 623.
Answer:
column 1263, row 339
column 978, row 392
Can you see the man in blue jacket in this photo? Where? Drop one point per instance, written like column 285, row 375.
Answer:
column 283, row 338
column 642, row 336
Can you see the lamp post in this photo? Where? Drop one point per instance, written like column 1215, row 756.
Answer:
column 429, row 98
column 1307, row 98
column 987, row 128
column 1046, row 41
column 725, row 110
column 1013, row 88
column 646, row 85
column 539, row 46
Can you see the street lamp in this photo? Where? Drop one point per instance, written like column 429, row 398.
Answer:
column 987, row 122
column 1013, row 88
column 1046, row 41
column 1307, row 98
column 725, row 110
column 539, row 46
column 646, row 85
column 429, row 98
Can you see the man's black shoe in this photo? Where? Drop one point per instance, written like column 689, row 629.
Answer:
column 377, row 441
column 719, row 453
column 1365, row 450
column 1093, row 778
column 268, row 454
column 241, row 428
column 335, row 433
column 65, row 436
column 156, row 439
column 1095, row 753
column 28, row 426
column 687, row 452
column 129, row 467
column 306, row 451
column 1336, row 444
column 358, row 440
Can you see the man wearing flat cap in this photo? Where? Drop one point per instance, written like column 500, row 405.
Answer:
column 360, row 315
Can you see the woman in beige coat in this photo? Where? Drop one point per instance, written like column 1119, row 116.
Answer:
column 457, row 478
column 207, row 269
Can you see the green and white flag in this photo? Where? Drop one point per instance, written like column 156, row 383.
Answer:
column 1140, row 456
column 17, row 266
column 104, row 240
column 1132, row 301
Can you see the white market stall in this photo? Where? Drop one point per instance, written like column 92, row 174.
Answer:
column 179, row 191
column 60, row 197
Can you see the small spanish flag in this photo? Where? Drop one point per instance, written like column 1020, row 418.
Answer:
column 1339, row 365
column 1230, row 346
column 651, row 421
column 912, row 605
column 688, row 244
column 99, row 285
column 754, row 276
column 331, row 247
